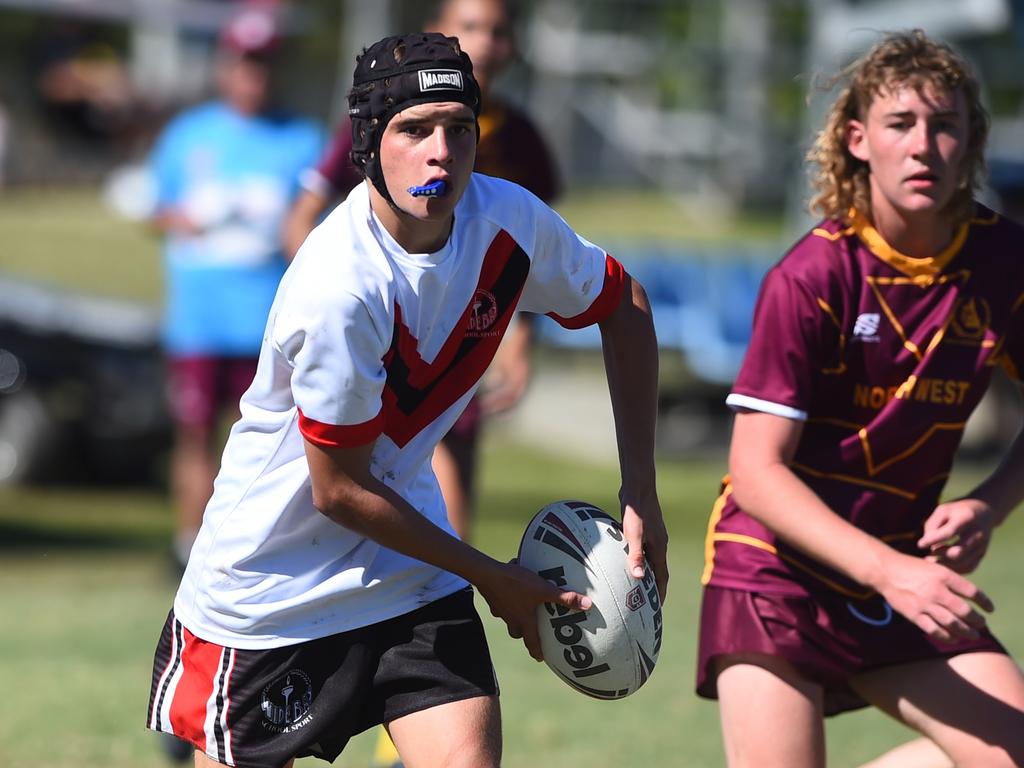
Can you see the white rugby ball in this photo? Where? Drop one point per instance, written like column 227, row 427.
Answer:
column 609, row 651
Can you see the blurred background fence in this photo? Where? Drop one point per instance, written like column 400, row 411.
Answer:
column 706, row 101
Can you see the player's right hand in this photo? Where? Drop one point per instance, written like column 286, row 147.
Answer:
column 647, row 537
column 942, row 603
column 957, row 533
column 513, row 594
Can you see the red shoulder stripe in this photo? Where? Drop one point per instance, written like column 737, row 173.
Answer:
column 606, row 301
column 341, row 435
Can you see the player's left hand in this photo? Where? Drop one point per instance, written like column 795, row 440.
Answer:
column 646, row 535
column 957, row 533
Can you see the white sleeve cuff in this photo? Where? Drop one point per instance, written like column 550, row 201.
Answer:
column 745, row 402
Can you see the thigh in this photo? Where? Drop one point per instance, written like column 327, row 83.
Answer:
column 460, row 734
column 205, row 761
column 771, row 715
column 433, row 656
column 970, row 705
column 918, row 753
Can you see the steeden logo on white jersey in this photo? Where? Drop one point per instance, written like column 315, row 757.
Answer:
column 866, row 327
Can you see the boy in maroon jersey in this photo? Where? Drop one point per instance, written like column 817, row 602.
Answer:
column 509, row 147
column 832, row 576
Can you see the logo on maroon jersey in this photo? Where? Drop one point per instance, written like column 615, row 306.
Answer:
column 866, row 326
column 482, row 314
column 971, row 318
column 286, row 702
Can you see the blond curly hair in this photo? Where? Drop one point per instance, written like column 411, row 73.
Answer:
column 900, row 59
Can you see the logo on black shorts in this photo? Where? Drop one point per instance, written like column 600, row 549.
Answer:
column 286, row 702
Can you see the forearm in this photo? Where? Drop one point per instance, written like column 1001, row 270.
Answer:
column 370, row 508
column 1003, row 490
column 631, row 361
column 170, row 220
column 776, row 497
column 300, row 221
column 519, row 340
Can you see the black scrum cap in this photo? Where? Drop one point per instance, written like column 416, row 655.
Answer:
column 400, row 72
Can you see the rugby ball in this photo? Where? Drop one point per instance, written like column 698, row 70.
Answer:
column 609, row 651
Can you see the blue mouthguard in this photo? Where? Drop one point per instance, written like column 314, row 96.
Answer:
column 434, row 189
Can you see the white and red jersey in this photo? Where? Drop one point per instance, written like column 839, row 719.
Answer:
column 368, row 343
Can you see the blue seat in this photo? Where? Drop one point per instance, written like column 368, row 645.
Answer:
column 702, row 301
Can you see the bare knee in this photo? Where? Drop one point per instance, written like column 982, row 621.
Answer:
column 971, row 705
column 462, row 734
column 771, row 715
column 990, row 756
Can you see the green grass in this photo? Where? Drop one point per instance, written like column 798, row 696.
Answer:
column 85, row 586
column 69, row 239
column 626, row 215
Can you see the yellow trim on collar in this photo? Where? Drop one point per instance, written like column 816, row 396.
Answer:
column 912, row 266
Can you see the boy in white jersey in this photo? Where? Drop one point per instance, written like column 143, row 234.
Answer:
column 325, row 592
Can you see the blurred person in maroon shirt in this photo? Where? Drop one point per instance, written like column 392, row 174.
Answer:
column 509, row 147
column 833, row 576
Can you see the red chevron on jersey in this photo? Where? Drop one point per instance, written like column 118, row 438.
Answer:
column 418, row 392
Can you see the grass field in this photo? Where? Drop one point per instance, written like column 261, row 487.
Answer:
column 85, row 586
column 85, row 581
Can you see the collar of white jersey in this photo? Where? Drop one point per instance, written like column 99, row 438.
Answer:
column 392, row 246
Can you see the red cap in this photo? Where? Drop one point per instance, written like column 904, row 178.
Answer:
column 254, row 31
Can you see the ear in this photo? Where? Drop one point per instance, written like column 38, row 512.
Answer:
column 857, row 140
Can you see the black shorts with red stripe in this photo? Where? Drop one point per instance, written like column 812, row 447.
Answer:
column 259, row 709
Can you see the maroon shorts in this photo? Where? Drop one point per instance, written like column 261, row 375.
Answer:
column 201, row 388
column 259, row 709
column 827, row 638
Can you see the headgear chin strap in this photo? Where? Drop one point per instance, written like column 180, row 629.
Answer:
column 397, row 73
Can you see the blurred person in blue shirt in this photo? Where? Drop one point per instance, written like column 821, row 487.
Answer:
column 225, row 173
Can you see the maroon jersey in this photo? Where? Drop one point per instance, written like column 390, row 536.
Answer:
column 884, row 357
column 510, row 148
column 335, row 174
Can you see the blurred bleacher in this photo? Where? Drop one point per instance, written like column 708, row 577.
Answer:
column 702, row 300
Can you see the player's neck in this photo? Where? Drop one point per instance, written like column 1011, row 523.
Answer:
column 918, row 234
column 413, row 234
